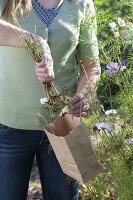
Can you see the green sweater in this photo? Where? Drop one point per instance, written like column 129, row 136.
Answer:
column 20, row 89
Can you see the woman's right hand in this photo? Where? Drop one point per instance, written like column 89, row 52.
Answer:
column 44, row 69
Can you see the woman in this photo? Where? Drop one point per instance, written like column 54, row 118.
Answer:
column 57, row 28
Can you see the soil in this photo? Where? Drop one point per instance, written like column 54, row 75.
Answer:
column 34, row 192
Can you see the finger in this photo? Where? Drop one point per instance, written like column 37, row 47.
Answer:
column 83, row 109
column 86, row 108
column 77, row 106
column 43, row 76
column 84, row 114
column 76, row 98
column 45, row 72
column 80, row 104
column 50, row 72
column 41, row 73
column 45, row 79
column 42, row 70
column 41, row 64
column 45, row 59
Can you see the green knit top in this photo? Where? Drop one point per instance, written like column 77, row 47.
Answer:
column 69, row 40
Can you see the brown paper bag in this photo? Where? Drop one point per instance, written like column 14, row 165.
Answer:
column 61, row 126
column 75, row 153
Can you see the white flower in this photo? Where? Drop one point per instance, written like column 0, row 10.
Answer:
column 104, row 125
column 44, row 100
column 116, row 34
column 112, row 25
column 123, row 68
column 121, row 22
column 111, row 111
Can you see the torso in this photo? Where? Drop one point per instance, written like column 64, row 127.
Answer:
column 62, row 36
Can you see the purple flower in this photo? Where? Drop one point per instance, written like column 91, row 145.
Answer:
column 112, row 68
column 130, row 140
column 104, row 125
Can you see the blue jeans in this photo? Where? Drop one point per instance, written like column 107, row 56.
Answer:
column 18, row 149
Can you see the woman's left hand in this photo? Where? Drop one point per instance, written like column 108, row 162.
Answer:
column 79, row 105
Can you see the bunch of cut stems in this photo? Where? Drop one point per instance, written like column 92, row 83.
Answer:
column 54, row 100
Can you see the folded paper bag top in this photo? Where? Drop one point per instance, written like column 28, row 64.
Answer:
column 62, row 125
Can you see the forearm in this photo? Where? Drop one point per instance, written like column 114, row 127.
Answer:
column 90, row 74
column 11, row 35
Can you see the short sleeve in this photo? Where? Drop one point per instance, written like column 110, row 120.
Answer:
column 88, row 45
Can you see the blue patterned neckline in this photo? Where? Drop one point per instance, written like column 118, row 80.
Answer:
column 46, row 15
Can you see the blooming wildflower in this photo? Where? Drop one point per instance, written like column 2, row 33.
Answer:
column 121, row 22
column 44, row 100
column 116, row 34
column 103, row 125
column 111, row 111
column 112, row 25
column 130, row 140
column 112, row 68
column 123, row 68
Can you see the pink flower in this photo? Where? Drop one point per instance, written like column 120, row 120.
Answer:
column 112, row 68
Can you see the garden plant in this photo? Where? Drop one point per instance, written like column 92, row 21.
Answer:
column 110, row 120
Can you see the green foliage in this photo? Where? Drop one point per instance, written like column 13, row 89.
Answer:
column 115, row 91
column 116, row 7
